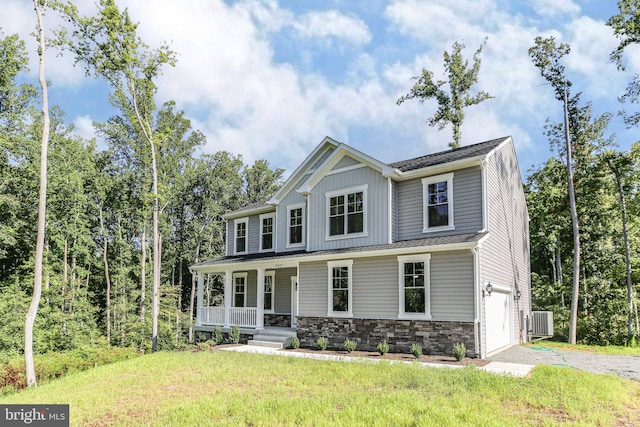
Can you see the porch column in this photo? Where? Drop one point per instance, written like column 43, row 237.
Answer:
column 200, row 299
column 228, row 295
column 260, row 300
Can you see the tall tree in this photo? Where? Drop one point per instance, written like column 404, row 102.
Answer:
column 546, row 56
column 109, row 46
column 40, row 6
column 451, row 104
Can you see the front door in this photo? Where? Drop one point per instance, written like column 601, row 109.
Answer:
column 294, row 301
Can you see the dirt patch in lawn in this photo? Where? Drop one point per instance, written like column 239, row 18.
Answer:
column 374, row 355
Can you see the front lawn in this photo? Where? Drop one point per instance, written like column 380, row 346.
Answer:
column 228, row 388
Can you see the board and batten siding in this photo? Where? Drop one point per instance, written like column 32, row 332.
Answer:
column 377, row 223
column 376, row 288
column 467, row 206
column 283, row 290
column 344, row 162
column 505, row 252
column 282, row 223
column 253, row 234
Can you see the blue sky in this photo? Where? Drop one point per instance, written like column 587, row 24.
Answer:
column 269, row 79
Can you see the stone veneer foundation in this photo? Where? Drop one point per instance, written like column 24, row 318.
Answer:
column 437, row 338
column 279, row 320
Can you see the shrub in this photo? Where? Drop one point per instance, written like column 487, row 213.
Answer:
column 204, row 346
column 234, row 335
column 322, row 343
column 383, row 347
column 295, row 342
column 349, row 345
column 217, row 336
column 416, row 350
column 459, row 351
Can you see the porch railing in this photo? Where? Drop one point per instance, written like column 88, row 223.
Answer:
column 241, row 316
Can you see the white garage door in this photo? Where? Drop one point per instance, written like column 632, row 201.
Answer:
column 498, row 320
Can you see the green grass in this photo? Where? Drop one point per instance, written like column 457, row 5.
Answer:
column 595, row 349
column 225, row 388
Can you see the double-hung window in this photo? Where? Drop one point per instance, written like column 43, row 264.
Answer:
column 340, row 287
column 346, row 212
column 295, row 230
column 269, row 291
column 240, row 289
column 438, row 203
column 267, row 227
column 241, row 227
column 414, row 286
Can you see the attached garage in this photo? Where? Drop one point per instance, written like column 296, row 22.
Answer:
column 498, row 319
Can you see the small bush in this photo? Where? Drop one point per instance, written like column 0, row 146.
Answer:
column 295, row 342
column 234, row 335
column 204, row 346
column 383, row 347
column 322, row 343
column 416, row 350
column 349, row 345
column 459, row 351
column 217, row 335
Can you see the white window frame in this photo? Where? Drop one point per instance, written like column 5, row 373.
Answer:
column 345, row 192
column 234, row 277
column 426, row 259
column 236, row 223
column 272, row 274
column 448, row 177
column 303, row 224
column 271, row 215
column 330, row 266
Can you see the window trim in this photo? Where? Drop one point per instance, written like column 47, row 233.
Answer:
column 272, row 274
column 243, row 275
column 448, row 177
column 236, row 222
column 330, row 266
column 271, row 215
column 303, row 224
column 402, row 260
column 345, row 192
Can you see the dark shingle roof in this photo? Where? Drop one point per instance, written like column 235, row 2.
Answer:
column 447, row 156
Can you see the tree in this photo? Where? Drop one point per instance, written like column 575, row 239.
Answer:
column 40, row 7
column 110, row 47
column 451, row 104
column 546, row 55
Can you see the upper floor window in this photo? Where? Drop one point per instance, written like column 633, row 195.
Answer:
column 414, row 286
column 241, row 226
column 267, row 222
column 438, row 203
column 340, row 287
column 269, row 291
column 346, row 212
column 295, row 230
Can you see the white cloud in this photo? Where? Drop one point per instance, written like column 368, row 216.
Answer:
column 83, row 127
column 331, row 23
column 554, row 8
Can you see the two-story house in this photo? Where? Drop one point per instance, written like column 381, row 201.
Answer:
column 432, row 250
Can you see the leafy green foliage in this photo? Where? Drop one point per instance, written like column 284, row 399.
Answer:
column 459, row 351
column 322, row 343
column 295, row 342
column 218, row 337
column 234, row 334
column 416, row 350
column 349, row 345
column 383, row 347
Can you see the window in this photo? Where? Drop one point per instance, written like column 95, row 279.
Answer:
column 340, row 283
column 266, row 232
column 239, row 289
column 241, row 235
column 438, row 203
column 346, row 212
column 295, row 232
column 414, row 286
column 269, row 291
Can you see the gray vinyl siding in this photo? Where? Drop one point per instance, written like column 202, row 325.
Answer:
column 322, row 157
column 282, row 222
column 377, row 222
column 346, row 161
column 467, row 205
column 376, row 289
column 504, row 256
column 253, row 235
column 394, row 211
column 251, row 288
column 283, row 290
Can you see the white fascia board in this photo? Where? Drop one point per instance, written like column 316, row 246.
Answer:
column 256, row 211
column 441, row 168
column 297, row 174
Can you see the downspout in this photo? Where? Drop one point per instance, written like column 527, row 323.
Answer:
column 477, row 293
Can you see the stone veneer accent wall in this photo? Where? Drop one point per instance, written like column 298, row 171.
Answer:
column 279, row 320
column 435, row 337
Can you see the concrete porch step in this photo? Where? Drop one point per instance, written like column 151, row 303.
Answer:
column 284, row 332
column 271, row 338
column 269, row 344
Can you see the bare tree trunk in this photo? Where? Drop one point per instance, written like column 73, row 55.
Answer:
column 105, row 260
column 143, row 272
column 573, row 318
column 39, row 5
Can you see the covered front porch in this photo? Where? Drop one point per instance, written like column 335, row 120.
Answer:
column 249, row 296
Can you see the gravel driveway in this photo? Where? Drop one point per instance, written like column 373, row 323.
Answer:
column 623, row 366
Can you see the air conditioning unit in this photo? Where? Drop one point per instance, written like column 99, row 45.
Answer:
column 541, row 324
